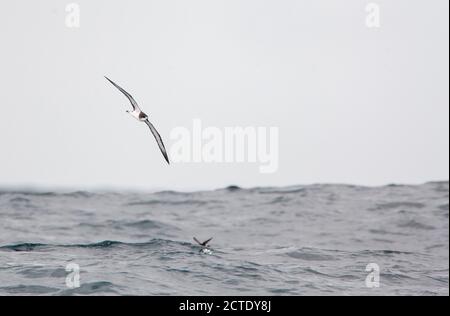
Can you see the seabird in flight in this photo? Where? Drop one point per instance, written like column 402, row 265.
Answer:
column 141, row 116
column 203, row 244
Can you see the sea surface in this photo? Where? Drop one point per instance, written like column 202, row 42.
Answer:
column 300, row 240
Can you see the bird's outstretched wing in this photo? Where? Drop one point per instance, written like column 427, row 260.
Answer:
column 197, row 241
column 158, row 140
column 207, row 241
column 132, row 101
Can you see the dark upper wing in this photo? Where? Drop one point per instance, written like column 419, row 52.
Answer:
column 158, row 139
column 132, row 101
column 207, row 241
column 197, row 241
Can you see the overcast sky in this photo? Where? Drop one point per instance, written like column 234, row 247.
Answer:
column 353, row 104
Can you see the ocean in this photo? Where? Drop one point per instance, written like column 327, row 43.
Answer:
column 323, row 239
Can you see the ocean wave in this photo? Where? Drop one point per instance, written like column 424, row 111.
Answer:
column 28, row 289
column 19, row 200
column 145, row 224
column 106, row 244
column 75, row 194
column 415, row 224
column 313, row 239
column 383, row 252
column 97, row 288
column 279, row 200
column 29, row 193
column 396, row 205
column 173, row 203
column 307, row 255
column 233, row 188
column 279, row 190
column 23, row 247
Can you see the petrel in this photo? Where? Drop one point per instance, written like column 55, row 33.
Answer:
column 141, row 116
column 203, row 244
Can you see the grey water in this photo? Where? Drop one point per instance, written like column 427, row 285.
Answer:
column 300, row 240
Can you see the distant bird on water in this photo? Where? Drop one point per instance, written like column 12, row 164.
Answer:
column 203, row 244
column 141, row 116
